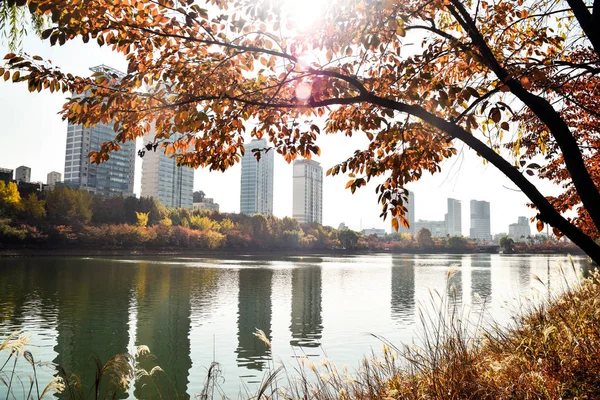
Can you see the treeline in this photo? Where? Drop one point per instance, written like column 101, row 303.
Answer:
column 67, row 218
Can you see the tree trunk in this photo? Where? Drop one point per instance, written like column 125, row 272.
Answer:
column 547, row 214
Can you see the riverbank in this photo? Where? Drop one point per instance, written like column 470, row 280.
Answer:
column 236, row 252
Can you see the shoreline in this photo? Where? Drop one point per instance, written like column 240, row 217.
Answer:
column 133, row 253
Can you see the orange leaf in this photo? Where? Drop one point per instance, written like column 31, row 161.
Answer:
column 539, row 225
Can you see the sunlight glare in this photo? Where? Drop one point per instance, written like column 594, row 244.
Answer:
column 303, row 14
column 303, row 91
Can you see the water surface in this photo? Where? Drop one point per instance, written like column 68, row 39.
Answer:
column 191, row 311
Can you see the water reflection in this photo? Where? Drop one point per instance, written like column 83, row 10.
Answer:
column 307, row 325
column 182, row 309
column 254, row 312
column 163, row 324
column 403, row 290
column 481, row 279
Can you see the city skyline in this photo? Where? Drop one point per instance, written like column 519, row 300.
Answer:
column 463, row 177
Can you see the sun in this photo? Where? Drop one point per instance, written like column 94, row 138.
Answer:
column 303, row 14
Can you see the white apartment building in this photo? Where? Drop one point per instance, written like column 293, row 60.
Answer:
column 453, row 218
column 308, row 191
column 480, row 220
column 53, row 178
column 256, row 196
column 23, row 174
column 163, row 180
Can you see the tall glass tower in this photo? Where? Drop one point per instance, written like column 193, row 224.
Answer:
column 256, row 195
column 110, row 178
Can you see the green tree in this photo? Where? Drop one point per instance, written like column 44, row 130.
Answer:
column 16, row 21
column 66, row 206
column 424, row 239
column 507, row 244
column 457, row 243
column 108, row 210
column 291, row 239
column 33, row 209
column 348, row 238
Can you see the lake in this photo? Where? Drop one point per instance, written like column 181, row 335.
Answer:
column 191, row 311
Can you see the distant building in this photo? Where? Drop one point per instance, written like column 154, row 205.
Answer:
column 519, row 230
column 308, row 192
column 256, row 195
column 480, row 220
column 206, row 204
column 453, row 218
column 437, row 228
column 113, row 177
column 342, row 226
column 23, row 174
column 163, row 180
column 499, row 236
column 410, row 215
column 374, row 231
column 53, row 178
column 6, row 175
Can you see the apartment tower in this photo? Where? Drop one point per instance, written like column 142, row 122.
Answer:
column 480, row 220
column 113, row 177
column 454, row 218
column 308, row 192
column 163, row 180
column 256, row 195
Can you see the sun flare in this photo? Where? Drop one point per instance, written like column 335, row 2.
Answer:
column 303, row 14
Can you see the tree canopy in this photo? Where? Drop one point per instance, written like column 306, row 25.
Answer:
column 515, row 81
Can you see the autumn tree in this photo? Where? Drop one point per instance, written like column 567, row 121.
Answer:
column 515, row 81
column 424, row 239
column 10, row 198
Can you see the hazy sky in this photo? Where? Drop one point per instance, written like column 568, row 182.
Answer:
column 33, row 134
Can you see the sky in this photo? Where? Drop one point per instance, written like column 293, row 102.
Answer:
column 33, row 134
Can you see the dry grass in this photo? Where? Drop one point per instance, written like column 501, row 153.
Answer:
column 552, row 352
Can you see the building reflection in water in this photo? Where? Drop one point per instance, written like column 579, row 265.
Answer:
column 163, row 324
column 307, row 324
column 403, row 290
column 481, row 279
column 454, row 286
column 93, row 314
column 254, row 312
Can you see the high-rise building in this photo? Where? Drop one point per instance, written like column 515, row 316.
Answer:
column 163, row 180
column 308, row 192
column 480, row 220
column 410, row 215
column 53, row 178
column 454, row 218
column 520, row 230
column 6, row 175
column 23, row 174
column 256, row 195
column 113, row 177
